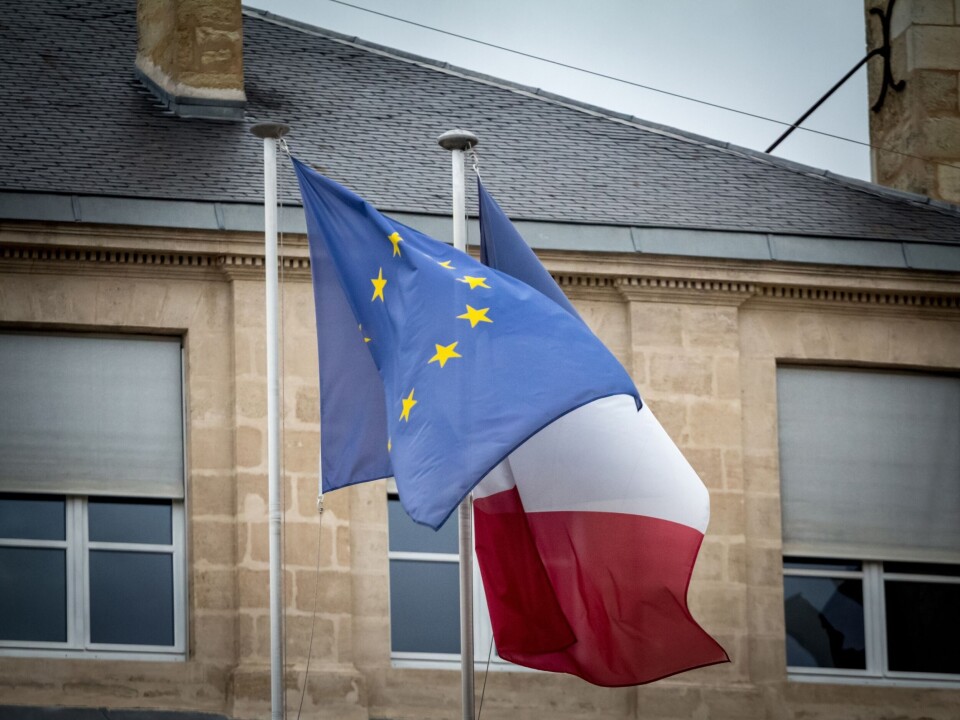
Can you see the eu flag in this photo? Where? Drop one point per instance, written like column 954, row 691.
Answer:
column 433, row 367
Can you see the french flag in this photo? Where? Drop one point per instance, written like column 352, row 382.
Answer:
column 587, row 534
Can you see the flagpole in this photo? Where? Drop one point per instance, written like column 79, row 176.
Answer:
column 270, row 132
column 457, row 142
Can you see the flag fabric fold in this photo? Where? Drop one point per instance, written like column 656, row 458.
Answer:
column 445, row 373
column 353, row 415
column 468, row 362
column 587, row 534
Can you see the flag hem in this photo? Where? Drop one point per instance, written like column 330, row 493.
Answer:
column 351, row 483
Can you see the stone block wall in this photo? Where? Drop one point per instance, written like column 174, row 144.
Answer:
column 91, row 293
column 702, row 338
column 192, row 48
column 922, row 120
column 309, row 544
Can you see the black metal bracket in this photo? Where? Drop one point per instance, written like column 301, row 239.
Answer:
column 883, row 51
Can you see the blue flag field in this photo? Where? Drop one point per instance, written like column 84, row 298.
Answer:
column 433, row 367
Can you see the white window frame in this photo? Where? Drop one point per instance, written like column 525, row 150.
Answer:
column 877, row 670
column 482, row 629
column 78, row 546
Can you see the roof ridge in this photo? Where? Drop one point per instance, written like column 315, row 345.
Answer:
column 850, row 183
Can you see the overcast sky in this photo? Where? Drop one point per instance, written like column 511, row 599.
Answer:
column 768, row 57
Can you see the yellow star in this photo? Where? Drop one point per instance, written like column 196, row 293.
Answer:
column 378, row 284
column 446, row 264
column 444, row 353
column 408, row 403
column 475, row 316
column 474, row 282
column 396, row 240
column 360, row 328
column 389, row 445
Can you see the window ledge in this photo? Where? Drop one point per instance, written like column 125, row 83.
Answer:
column 430, row 661
column 917, row 680
column 68, row 654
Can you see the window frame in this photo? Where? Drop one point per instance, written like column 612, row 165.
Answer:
column 78, row 546
column 870, row 556
column 482, row 629
column 877, row 671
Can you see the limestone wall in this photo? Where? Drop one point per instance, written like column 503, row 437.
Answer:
column 701, row 338
column 110, row 297
column 192, row 48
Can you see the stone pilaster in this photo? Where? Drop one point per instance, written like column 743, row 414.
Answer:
column 685, row 357
column 923, row 119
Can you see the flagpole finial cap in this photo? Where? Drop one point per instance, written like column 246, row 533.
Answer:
column 270, row 129
column 458, row 140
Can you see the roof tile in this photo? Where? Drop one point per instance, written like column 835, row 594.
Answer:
column 370, row 120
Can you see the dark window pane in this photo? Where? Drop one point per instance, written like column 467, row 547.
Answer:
column 131, row 598
column 915, row 568
column 406, row 535
column 820, row 564
column 32, row 517
column 923, row 626
column 130, row 521
column 33, row 594
column 425, row 606
column 824, row 620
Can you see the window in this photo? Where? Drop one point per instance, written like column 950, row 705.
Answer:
column 870, row 484
column 425, row 595
column 91, row 497
column 885, row 620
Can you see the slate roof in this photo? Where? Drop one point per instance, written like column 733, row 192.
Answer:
column 76, row 122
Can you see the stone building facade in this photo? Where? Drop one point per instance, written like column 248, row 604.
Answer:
column 701, row 316
column 702, row 337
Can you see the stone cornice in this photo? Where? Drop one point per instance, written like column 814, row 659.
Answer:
column 251, row 267
column 685, row 290
column 141, row 238
column 51, row 259
column 720, row 292
column 881, row 297
column 609, row 267
column 610, row 279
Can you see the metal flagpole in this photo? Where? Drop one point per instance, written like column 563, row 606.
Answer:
column 458, row 141
column 271, row 132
